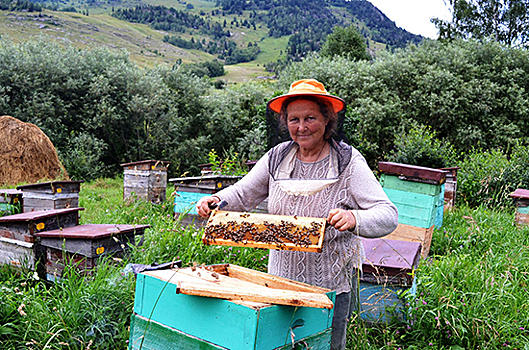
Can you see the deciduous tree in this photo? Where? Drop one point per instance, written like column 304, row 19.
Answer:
column 504, row 21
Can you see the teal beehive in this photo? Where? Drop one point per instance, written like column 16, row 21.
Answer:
column 189, row 190
column 229, row 307
column 418, row 194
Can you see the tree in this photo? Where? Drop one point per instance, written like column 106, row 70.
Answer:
column 504, row 21
column 346, row 42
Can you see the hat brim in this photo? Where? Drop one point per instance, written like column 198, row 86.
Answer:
column 276, row 103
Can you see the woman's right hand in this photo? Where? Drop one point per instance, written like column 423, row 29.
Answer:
column 203, row 205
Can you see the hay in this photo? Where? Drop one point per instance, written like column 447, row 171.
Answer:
column 27, row 154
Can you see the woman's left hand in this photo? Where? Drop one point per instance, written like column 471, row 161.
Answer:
column 342, row 219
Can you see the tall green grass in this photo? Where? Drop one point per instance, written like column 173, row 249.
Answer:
column 472, row 290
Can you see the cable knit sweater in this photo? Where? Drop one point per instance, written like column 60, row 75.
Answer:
column 356, row 189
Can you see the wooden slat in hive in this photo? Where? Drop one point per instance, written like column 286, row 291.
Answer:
column 265, row 231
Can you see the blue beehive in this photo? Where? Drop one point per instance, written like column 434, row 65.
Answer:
column 165, row 316
column 387, row 272
column 189, row 190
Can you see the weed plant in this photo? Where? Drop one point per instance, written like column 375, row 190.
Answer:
column 471, row 292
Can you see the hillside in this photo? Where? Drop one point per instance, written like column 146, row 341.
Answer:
column 244, row 35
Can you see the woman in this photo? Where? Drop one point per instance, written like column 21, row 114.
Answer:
column 314, row 175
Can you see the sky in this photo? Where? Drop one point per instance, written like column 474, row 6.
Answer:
column 414, row 15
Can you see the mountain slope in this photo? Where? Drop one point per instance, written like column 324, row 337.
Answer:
column 171, row 32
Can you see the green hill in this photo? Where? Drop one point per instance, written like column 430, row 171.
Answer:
column 245, row 35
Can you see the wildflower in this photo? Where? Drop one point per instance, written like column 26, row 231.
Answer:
column 21, row 310
column 430, row 344
column 424, row 302
column 522, row 328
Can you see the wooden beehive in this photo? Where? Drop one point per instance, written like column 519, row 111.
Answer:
column 228, row 307
column 418, row 194
column 521, row 198
column 11, row 201
column 19, row 246
column 189, row 190
column 50, row 195
column 266, row 231
column 145, row 180
column 450, row 187
column 83, row 245
column 387, row 271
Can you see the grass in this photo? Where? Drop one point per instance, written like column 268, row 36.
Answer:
column 472, row 290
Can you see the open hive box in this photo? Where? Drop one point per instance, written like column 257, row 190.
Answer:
column 265, row 231
column 228, row 307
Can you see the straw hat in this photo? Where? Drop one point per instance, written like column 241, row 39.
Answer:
column 307, row 87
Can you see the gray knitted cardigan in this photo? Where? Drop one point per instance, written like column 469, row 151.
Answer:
column 357, row 189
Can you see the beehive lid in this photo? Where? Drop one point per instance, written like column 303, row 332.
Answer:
column 520, row 193
column 53, row 185
column 154, row 163
column 387, row 257
column 205, row 178
column 9, row 192
column 240, row 284
column 413, row 172
column 265, row 231
column 91, row 231
column 37, row 215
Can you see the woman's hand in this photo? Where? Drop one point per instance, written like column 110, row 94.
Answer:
column 341, row 219
column 203, row 204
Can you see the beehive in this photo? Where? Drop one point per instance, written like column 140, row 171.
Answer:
column 189, row 190
column 82, row 246
column 450, row 187
column 387, row 272
column 50, row 195
column 145, row 180
column 10, row 201
column 521, row 197
column 418, row 194
column 20, row 246
column 245, row 309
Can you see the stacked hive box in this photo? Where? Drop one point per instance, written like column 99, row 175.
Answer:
column 521, row 197
column 10, row 201
column 19, row 245
column 387, row 272
column 50, row 195
column 240, row 318
column 145, row 180
column 188, row 190
column 83, row 245
column 418, row 193
column 47, row 236
column 450, row 187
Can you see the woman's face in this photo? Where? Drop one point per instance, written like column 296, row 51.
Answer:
column 306, row 124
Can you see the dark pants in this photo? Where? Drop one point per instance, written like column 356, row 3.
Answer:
column 344, row 306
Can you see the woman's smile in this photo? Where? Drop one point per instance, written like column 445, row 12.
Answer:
column 306, row 124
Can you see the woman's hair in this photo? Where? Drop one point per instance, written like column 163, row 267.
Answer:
column 326, row 109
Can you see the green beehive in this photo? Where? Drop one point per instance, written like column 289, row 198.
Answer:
column 238, row 314
column 418, row 194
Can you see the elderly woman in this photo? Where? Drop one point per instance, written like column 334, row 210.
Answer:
column 314, row 175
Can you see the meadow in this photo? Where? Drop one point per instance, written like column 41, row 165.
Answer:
column 472, row 289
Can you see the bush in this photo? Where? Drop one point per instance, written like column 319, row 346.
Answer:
column 481, row 178
column 419, row 146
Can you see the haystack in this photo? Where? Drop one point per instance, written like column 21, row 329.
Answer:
column 26, row 154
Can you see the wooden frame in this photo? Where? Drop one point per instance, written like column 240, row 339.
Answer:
column 257, row 230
